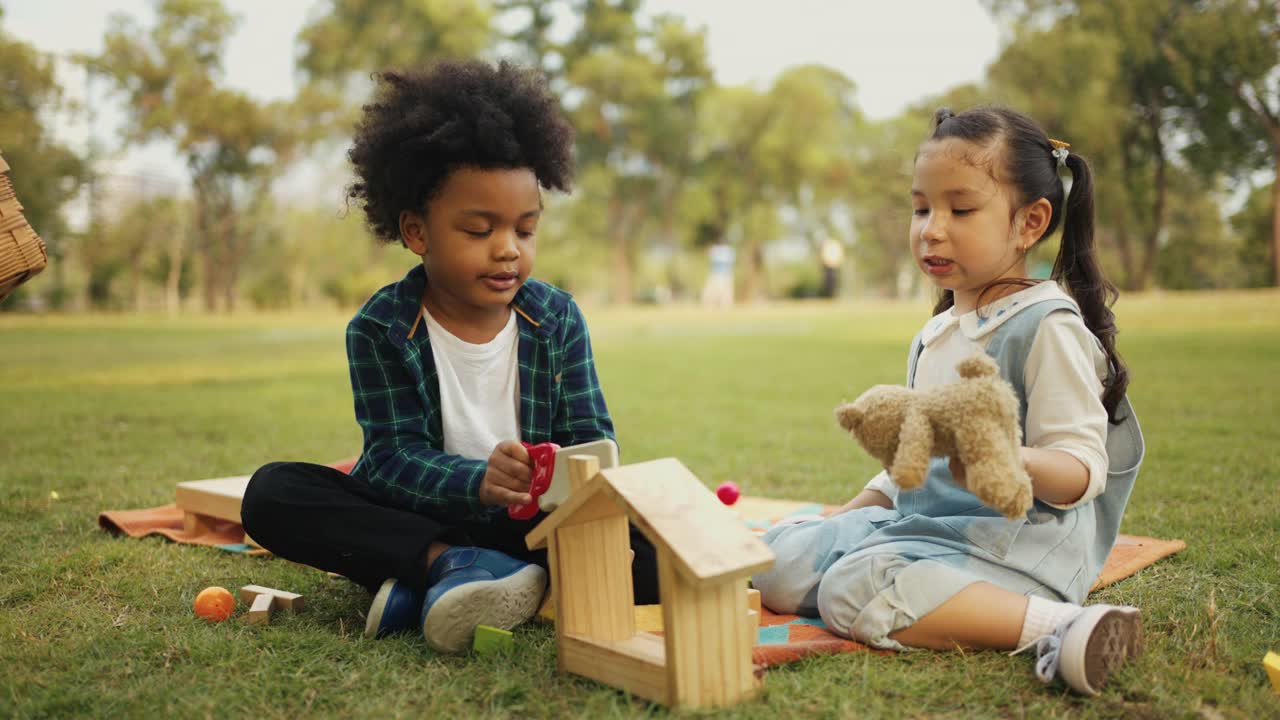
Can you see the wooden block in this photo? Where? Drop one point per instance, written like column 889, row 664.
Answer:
column 634, row 665
column 753, row 627
column 598, row 507
column 219, row 498
column 582, row 468
column 260, row 610
column 194, row 524
column 283, row 599
column 595, row 579
column 1272, row 663
column 250, row 541
column 553, row 562
column 753, row 599
column 491, row 639
column 708, row 646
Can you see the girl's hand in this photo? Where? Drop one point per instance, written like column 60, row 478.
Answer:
column 506, row 479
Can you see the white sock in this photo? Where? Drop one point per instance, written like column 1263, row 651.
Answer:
column 1042, row 617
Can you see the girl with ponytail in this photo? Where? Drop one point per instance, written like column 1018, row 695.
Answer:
column 933, row 567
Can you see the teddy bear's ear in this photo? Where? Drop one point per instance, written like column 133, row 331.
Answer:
column 849, row 416
column 977, row 365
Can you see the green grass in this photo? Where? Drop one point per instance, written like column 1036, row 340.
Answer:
column 109, row 412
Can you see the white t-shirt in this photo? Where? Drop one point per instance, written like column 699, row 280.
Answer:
column 479, row 389
column 1063, row 375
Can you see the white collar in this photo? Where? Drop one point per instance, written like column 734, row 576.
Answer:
column 980, row 322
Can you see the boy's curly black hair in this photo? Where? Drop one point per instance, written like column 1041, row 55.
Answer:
column 423, row 124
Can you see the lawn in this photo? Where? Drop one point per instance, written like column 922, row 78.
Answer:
column 108, row 412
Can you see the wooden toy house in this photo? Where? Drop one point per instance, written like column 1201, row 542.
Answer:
column 705, row 556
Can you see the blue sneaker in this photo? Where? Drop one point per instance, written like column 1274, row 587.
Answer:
column 395, row 608
column 470, row 586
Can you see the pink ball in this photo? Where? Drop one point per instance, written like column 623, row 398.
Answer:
column 728, row 492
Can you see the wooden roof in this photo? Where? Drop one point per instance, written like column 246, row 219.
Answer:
column 675, row 511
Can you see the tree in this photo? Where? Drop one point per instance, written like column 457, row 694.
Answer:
column 45, row 173
column 1253, row 226
column 739, row 198
column 1200, row 252
column 1185, row 84
column 232, row 145
column 1227, row 83
column 349, row 40
column 636, row 93
column 1097, row 72
column 138, row 248
column 881, row 195
column 808, row 148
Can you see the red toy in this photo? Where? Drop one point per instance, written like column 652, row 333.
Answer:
column 728, row 492
column 543, row 456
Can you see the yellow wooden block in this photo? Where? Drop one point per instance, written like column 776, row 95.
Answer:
column 648, row 617
column 1272, row 663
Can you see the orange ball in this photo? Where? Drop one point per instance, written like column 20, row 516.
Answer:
column 215, row 604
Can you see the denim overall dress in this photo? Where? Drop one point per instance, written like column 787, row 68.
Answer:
column 872, row 571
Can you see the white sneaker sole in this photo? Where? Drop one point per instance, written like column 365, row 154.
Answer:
column 376, row 607
column 451, row 624
column 1105, row 637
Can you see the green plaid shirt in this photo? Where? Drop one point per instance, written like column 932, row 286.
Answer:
column 397, row 394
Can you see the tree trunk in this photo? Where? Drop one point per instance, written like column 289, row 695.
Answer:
column 1121, row 234
column 135, row 279
column 755, row 282
column 205, row 241
column 232, row 252
column 620, row 250
column 171, row 297
column 1151, row 246
column 208, row 259
column 1275, row 214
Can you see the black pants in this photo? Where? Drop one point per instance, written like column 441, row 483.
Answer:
column 322, row 517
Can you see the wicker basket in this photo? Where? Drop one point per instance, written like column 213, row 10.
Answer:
column 22, row 252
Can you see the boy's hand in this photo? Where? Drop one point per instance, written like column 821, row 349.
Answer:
column 506, row 480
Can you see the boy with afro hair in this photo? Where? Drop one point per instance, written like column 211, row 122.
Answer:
column 452, row 366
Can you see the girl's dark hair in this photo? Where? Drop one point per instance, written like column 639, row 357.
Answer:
column 1024, row 161
column 424, row 124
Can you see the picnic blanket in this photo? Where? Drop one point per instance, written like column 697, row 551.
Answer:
column 782, row 638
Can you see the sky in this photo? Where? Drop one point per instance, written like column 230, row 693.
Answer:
column 895, row 52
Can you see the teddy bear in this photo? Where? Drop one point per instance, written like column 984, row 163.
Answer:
column 974, row 420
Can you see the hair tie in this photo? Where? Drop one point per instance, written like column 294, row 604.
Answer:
column 1060, row 151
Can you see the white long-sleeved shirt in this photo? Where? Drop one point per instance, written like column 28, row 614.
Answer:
column 1063, row 375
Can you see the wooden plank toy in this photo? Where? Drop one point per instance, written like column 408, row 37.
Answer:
column 203, row 502
column 260, row 610
column 1272, row 663
column 263, row 600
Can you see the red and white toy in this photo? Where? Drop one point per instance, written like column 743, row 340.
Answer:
column 543, row 458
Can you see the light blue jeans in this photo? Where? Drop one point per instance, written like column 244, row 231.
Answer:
column 867, row 578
